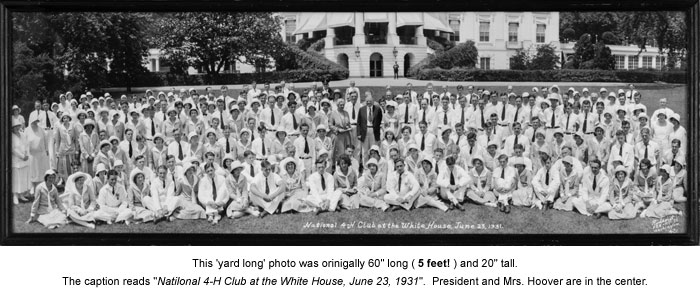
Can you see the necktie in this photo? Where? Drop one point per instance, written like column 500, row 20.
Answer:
column 646, row 150
column 221, row 116
column 399, row 186
column 533, row 135
column 594, row 181
column 546, row 177
column 674, row 157
column 252, row 171
column 568, row 117
column 296, row 125
column 267, row 187
column 458, row 138
column 461, row 119
column 445, row 119
column 213, row 187
column 125, row 121
column 153, row 128
column 179, row 151
column 272, row 118
column 228, row 146
column 471, row 150
column 164, row 116
column 553, row 117
column 515, row 119
column 503, row 173
column 263, row 146
column 48, row 121
column 306, row 145
column 405, row 117
column 503, row 112
column 585, row 122
column 323, row 182
column 437, row 168
column 621, row 149
column 482, row 119
column 252, row 136
column 369, row 114
column 598, row 118
column 424, row 115
column 516, row 141
column 452, row 178
column 112, row 192
column 131, row 150
column 422, row 143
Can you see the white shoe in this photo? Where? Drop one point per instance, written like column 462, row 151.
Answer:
column 490, row 204
column 127, row 222
column 15, row 200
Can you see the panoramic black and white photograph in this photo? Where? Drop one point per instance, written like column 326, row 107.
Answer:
column 350, row 122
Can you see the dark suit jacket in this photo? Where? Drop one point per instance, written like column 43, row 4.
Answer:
column 376, row 122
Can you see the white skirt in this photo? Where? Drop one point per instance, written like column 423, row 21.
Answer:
column 38, row 165
column 20, row 179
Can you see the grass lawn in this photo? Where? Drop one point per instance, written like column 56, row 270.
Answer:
column 476, row 220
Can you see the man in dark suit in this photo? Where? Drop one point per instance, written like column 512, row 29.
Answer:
column 369, row 117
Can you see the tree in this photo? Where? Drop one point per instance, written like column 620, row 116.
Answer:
column 603, row 59
column 212, row 40
column 667, row 30
column 568, row 34
column 584, row 50
column 545, row 58
column 610, row 38
column 463, row 55
column 80, row 44
column 593, row 23
column 520, row 61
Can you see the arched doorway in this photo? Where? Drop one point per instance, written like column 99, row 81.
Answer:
column 343, row 60
column 375, row 65
column 407, row 60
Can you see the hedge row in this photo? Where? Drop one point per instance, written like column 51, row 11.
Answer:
column 168, row 79
column 462, row 74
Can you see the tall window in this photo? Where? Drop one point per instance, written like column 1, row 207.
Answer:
column 646, row 62
column 454, row 25
column 660, row 62
column 619, row 62
column 539, row 37
column 484, row 31
column 513, row 32
column 290, row 26
column 633, row 63
column 485, row 63
column 153, row 65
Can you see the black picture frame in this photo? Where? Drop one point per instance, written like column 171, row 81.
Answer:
column 7, row 237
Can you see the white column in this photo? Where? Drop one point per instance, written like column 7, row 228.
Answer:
column 330, row 36
column 157, row 64
column 420, row 38
column 392, row 37
column 359, row 38
column 627, row 61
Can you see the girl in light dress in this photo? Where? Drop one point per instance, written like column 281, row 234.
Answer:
column 619, row 204
column 79, row 199
column 47, row 209
column 64, row 147
column 405, row 140
column 680, row 180
column 388, row 142
column 296, row 189
column 645, row 180
column 427, row 178
column 37, row 139
column 661, row 132
column 185, row 193
column 237, row 184
column 523, row 194
column 20, row 163
column 662, row 206
column 138, row 197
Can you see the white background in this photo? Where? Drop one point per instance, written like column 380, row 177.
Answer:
column 36, row 272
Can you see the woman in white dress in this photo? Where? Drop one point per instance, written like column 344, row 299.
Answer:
column 20, row 163
column 187, row 198
column 16, row 117
column 64, row 146
column 678, row 132
column 38, row 142
column 661, row 132
column 47, row 209
column 138, row 197
column 79, row 199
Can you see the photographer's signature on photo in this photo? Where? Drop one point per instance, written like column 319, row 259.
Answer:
column 670, row 224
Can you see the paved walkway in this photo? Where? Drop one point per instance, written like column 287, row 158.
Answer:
column 360, row 82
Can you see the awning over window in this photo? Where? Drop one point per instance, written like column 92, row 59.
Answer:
column 310, row 22
column 435, row 22
column 341, row 19
column 376, row 17
column 411, row 19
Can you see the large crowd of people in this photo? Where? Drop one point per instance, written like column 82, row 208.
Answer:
column 184, row 155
